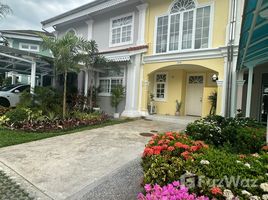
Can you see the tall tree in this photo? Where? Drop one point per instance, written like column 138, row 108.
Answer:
column 92, row 60
column 67, row 55
column 4, row 10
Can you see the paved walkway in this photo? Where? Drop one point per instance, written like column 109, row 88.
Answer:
column 61, row 167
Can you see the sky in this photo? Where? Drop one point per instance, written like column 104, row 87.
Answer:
column 27, row 14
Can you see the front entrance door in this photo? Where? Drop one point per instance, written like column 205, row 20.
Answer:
column 194, row 94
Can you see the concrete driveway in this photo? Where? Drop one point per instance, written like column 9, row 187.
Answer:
column 59, row 167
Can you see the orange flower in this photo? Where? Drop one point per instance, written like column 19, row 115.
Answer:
column 180, row 145
column 169, row 133
column 242, row 156
column 216, row 191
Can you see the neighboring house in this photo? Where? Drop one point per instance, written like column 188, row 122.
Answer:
column 188, row 48
column 252, row 67
column 118, row 27
column 30, row 41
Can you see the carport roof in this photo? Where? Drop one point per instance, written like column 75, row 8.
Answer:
column 253, row 49
column 20, row 61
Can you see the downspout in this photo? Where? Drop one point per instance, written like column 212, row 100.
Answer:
column 230, row 55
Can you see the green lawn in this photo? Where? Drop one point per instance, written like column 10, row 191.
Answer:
column 10, row 137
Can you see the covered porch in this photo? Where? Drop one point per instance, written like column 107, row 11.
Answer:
column 189, row 86
column 252, row 67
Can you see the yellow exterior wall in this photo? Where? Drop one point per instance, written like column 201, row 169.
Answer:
column 177, row 77
column 161, row 7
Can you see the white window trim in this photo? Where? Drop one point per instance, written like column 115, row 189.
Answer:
column 211, row 23
column 166, row 88
column 29, row 49
column 132, row 30
column 110, row 86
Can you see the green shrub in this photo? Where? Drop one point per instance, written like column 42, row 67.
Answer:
column 17, row 115
column 45, row 99
column 224, row 167
column 244, row 139
column 241, row 135
column 162, row 169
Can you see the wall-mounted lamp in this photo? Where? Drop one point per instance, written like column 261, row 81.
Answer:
column 215, row 77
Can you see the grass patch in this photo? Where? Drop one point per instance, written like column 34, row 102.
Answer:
column 13, row 137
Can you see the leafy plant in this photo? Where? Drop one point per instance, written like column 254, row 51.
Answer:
column 213, row 101
column 242, row 135
column 117, row 96
column 45, row 99
column 17, row 115
column 67, row 55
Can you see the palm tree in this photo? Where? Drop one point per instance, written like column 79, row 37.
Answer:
column 4, row 10
column 67, row 55
column 92, row 60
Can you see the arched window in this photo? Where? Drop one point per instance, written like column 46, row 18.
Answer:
column 187, row 26
column 182, row 5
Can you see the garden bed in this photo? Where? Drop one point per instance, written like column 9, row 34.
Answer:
column 232, row 163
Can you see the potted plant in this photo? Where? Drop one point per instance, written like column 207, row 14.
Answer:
column 117, row 96
column 178, row 108
column 213, row 101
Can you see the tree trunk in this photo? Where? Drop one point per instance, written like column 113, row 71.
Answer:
column 64, row 95
column 91, row 95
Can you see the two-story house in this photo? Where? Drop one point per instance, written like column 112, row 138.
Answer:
column 29, row 41
column 118, row 27
column 187, row 59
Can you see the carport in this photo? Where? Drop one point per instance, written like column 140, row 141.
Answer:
column 24, row 62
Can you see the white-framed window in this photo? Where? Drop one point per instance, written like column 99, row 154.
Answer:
column 122, row 30
column 111, row 79
column 161, row 86
column 29, row 47
column 187, row 26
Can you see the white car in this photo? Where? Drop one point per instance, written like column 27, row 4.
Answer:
column 10, row 95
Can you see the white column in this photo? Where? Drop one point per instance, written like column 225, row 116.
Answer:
column 41, row 80
column 13, row 77
column 90, row 29
column 33, row 74
column 142, row 20
column 249, row 92
column 234, row 88
column 132, row 88
column 86, row 83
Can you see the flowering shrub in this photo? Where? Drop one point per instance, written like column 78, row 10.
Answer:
column 173, row 144
column 174, row 191
column 215, row 173
column 241, row 135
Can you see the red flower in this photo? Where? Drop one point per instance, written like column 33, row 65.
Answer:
column 170, row 148
column 216, row 191
column 171, row 137
column 151, row 142
column 164, row 146
column 169, row 133
column 195, row 148
column 265, row 148
column 186, row 155
column 148, row 151
column 160, row 142
column 180, row 145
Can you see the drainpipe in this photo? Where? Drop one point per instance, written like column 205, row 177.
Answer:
column 230, row 55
